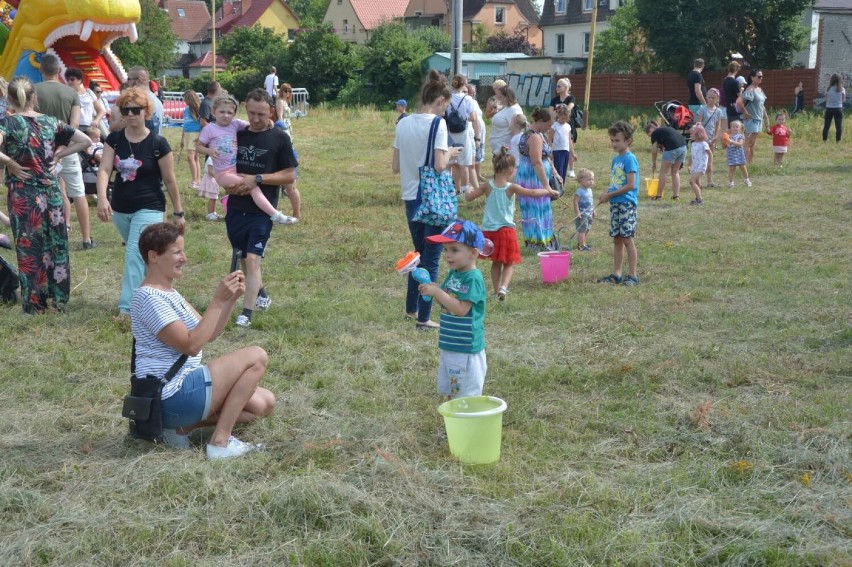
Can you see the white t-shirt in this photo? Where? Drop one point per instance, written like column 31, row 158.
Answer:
column 501, row 126
column 271, row 84
column 515, row 147
column 561, row 136
column 699, row 157
column 412, row 134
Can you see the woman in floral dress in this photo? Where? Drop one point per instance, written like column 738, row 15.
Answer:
column 534, row 172
column 27, row 142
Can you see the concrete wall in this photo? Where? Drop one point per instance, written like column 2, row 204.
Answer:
column 835, row 52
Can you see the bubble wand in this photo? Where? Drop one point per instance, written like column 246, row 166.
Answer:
column 408, row 265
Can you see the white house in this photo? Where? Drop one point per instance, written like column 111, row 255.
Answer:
column 567, row 26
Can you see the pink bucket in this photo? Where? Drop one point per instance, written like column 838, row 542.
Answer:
column 555, row 266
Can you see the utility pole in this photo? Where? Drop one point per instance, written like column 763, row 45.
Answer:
column 213, row 43
column 589, row 66
column 456, row 55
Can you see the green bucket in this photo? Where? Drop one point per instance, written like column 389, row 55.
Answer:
column 474, row 428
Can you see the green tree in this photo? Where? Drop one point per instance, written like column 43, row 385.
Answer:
column 319, row 61
column 766, row 32
column 393, row 61
column 155, row 49
column 256, row 47
column 310, row 12
column 434, row 38
column 623, row 47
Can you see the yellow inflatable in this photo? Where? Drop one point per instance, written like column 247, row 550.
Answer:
column 79, row 32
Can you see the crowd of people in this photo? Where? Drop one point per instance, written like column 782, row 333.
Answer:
column 531, row 159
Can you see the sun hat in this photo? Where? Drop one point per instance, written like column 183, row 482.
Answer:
column 402, row 102
column 465, row 232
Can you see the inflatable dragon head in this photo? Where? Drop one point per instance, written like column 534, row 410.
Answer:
column 79, row 32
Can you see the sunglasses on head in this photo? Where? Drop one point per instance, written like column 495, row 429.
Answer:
column 128, row 110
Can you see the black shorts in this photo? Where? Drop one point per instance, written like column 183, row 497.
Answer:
column 248, row 232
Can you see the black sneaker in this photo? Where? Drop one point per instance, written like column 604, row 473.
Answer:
column 631, row 281
column 90, row 244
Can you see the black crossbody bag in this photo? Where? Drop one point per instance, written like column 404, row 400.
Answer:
column 143, row 406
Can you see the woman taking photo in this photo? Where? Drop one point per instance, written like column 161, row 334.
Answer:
column 190, row 131
column 534, row 172
column 409, row 149
column 143, row 162
column 835, row 98
column 223, row 392
column 493, row 105
column 40, row 236
column 756, row 120
column 501, row 122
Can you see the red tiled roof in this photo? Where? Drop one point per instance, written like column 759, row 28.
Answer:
column 372, row 12
column 247, row 14
column 207, row 61
column 196, row 17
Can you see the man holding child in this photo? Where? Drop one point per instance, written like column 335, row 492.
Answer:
column 265, row 159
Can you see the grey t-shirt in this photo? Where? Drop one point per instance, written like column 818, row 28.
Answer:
column 834, row 97
column 56, row 99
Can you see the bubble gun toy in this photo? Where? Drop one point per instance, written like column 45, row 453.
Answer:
column 408, row 265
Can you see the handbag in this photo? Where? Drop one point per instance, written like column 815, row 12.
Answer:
column 143, row 406
column 436, row 203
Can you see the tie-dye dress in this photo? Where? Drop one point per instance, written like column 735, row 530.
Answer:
column 36, row 210
column 536, row 212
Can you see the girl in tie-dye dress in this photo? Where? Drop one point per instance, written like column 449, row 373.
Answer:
column 534, row 172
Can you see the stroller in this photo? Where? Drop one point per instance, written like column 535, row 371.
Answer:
column 676, row 115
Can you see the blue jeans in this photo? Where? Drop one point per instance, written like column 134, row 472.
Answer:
column 191, row 403
column 430, row 255
column 130, row 226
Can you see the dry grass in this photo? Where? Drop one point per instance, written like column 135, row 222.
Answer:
column 700, row 418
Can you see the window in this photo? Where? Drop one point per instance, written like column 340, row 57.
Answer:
column 345, row 26
column 588, row 5
column 181, row 13
column 560, row 43
column 499, row 15
column 561, row 6
column 586, row 36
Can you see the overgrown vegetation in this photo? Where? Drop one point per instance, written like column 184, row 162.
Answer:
column 702, row 417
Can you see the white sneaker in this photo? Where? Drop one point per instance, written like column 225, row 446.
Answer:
column 748, row 182
column 571, row 174
column 212, row 216
column 176, row 440
column 730, row 184
column 281, row 218
column 234, row 448
column 263, row 303
column 243, row 321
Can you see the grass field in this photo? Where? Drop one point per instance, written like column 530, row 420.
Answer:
column 702, row 417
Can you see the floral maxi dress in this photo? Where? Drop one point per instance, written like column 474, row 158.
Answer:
column 36, row 210
column 536, row 212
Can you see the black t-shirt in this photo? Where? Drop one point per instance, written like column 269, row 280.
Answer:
column 695, row 78
column 730, row 92
column 138, row 183
column 205, row 111
column 568, row 100
column 261, row 152
column 667, row 138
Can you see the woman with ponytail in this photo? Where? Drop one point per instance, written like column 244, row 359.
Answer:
column 409, row 150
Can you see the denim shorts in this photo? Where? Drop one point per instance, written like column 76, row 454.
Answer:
column 191, row 403
column 677, row 154
column 754, row 126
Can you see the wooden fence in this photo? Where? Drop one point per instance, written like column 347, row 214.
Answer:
column 645, row 89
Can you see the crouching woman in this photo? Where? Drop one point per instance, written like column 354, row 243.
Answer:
column 221, row 393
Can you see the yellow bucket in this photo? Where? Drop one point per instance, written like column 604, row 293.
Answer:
column 652, row 186
column 474, row 428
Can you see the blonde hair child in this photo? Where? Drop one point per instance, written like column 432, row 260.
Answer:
column 700, row 160
column 559, row 138
column 780, row 133
column 584, row 208
column 219, row 140
column 736, row 153
column 498, row 223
